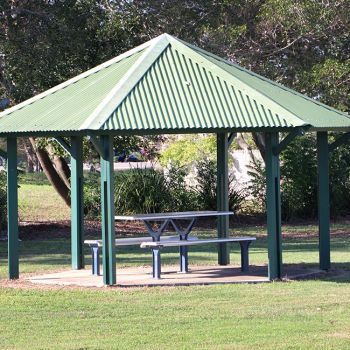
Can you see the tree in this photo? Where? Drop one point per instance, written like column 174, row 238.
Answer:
column 43, row 43
column 302, row 44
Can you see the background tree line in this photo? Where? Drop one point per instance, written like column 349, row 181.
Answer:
column 303, row 44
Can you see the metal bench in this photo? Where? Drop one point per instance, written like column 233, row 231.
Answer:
column 157, row 246
column 95, row 246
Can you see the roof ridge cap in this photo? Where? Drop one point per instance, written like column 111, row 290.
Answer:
column 76, row 78
column 230, row 77
column 134, row 74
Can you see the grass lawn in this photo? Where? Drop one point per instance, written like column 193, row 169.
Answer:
column 41, row 203
column 311, row 314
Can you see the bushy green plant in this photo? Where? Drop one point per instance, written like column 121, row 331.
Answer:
column 189, row 149
column 92, row 195
column 206, row 187
column 256, row 188
column 206, row 184
column 3, row 199
column 183, row 196
column 299, row 178
column 339, row 175
column 142, row 191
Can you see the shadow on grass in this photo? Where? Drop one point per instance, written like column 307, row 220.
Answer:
column 339, row 272
column 41, row 255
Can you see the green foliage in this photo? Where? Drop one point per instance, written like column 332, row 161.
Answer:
column 299, row 178
column 79, row 35
column 33, row 178
column 184, row 197
column 92, row 195
column 141, row 191
column 187, row 150
column 327, row 79
column 206, row 187
column 3, row 199
column 150, row 191
column 339, row 175
column 257, row 186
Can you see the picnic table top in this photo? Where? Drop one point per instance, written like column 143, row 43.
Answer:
column 176, row 215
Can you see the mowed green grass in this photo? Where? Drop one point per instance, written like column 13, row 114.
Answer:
column 311, row 314
column 54, row 254
column 295, row 315
column 41, row 203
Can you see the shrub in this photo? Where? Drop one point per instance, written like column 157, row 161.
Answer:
column 257, row 185
column 150, row 191
column 339, row 176
column 188, row 150
column 141, row 191
column 206, row 184
column 183, row 196
column 206, row 187
column 92, row 195
column 299, row 180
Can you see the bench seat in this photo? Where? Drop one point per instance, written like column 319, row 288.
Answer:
column 96, row 244
column 157, row 246
column 127, row 241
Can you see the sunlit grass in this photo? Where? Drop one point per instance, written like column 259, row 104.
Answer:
column 41, row 203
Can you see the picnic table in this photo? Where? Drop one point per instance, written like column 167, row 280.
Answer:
column 173, row 219
column 156, row 241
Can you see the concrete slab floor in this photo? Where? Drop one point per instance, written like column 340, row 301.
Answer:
column 141, row 276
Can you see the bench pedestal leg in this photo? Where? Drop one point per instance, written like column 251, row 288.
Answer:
column 183, row 259
column 95, row 251
column 156, row 262
column 245, row 256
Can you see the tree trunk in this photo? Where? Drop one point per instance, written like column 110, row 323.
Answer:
column 259, row 139
column 62, row 169
column 51, row 173
column 30, row 154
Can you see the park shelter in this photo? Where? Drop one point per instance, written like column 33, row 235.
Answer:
column 167, row 86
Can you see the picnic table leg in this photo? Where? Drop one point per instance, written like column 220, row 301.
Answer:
column 183, row 236
column 183, row 258
column 245, row 255
column 95, row 251
column 155, row 234
column 156, row 262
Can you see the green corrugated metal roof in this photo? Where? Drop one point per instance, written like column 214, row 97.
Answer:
column 167, row 85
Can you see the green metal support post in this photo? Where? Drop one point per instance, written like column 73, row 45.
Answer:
column 107, row 201
column 323, row 200
column 12, row 208
column 77, row 203
column 222, row 196
column 273, row 207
